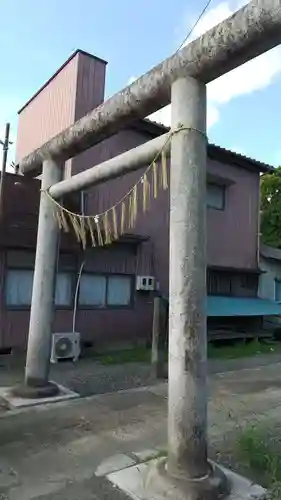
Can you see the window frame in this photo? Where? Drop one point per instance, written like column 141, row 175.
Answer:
column 15, row 307
column 73, row 277
column 107, row 307
column 26, row 307
column 223, row 187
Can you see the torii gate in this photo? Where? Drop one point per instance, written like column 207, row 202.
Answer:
column 181, row 80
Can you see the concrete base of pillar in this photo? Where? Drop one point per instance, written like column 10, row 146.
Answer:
column 35, row 391
column 211, row 487
column 149, row 481
column 15, row 400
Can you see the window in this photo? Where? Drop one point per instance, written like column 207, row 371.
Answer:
column 119, row 291
column 233, row 284
column 215, row 196
column 277, row 290
column 248, row 281
column 19, row 287
column 218, row 283
column 63, row 295
column 105, row 291
column 92, row 290
column 19, row 284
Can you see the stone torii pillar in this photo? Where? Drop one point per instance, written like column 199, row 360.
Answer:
column 187, row 473
column 187, row 415
column 36, row 383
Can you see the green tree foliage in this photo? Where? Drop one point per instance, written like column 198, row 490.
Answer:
column 271, row 208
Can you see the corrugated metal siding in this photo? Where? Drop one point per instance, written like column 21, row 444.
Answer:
column 50, row 112
column 103, row 196
column 153, row 256
column 146, row 265
column 90, row 94
column 101, row 327
column 123, row 325
column 90, row 84
column 237, row 225
column 233, row 232
column 121, row 258
column 97, row 326
column 114, row 259
column 21, row 204
column 2, row 311
column 13, row 324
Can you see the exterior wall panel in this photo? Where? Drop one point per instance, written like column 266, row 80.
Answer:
column 237, row 224
column 90, row 84
column 96, row 325
column 271, row 271
column 116, row 259
column 50, row 112
column 90, row 94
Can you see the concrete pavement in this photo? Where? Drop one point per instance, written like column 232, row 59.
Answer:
column 54, row 451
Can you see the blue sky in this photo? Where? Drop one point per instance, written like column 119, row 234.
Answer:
column 36, row 38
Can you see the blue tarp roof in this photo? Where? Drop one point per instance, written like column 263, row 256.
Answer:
column 236, row 306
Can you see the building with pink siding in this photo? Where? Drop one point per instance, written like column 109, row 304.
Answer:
column 110, row 309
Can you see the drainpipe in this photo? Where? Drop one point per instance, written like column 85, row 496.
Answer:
column 79, row 273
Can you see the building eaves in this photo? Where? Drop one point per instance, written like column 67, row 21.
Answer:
column 215, row 152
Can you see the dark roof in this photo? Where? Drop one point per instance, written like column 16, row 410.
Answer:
column 219, row 153
column 214, row 152
column 270, row 252
column 75, row 53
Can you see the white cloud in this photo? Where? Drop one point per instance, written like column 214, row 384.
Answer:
column 163, row 116
column 238, row 150
column 255, row 75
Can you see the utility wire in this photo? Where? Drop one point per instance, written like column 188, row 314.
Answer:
column 194, row 25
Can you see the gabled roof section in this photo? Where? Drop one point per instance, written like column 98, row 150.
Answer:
column 75, row 53
column 214, row 152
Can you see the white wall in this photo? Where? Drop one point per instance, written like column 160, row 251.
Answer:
column 272, row 271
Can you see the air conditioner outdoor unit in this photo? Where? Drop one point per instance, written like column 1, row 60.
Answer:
column 65, row 346
column 146, row 283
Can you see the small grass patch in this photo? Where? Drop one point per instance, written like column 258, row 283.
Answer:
column 230, row 351
column 134, row 355
column 257, row 454
column 242, row 350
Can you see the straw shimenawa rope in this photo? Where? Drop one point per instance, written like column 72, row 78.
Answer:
column 108, row 226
